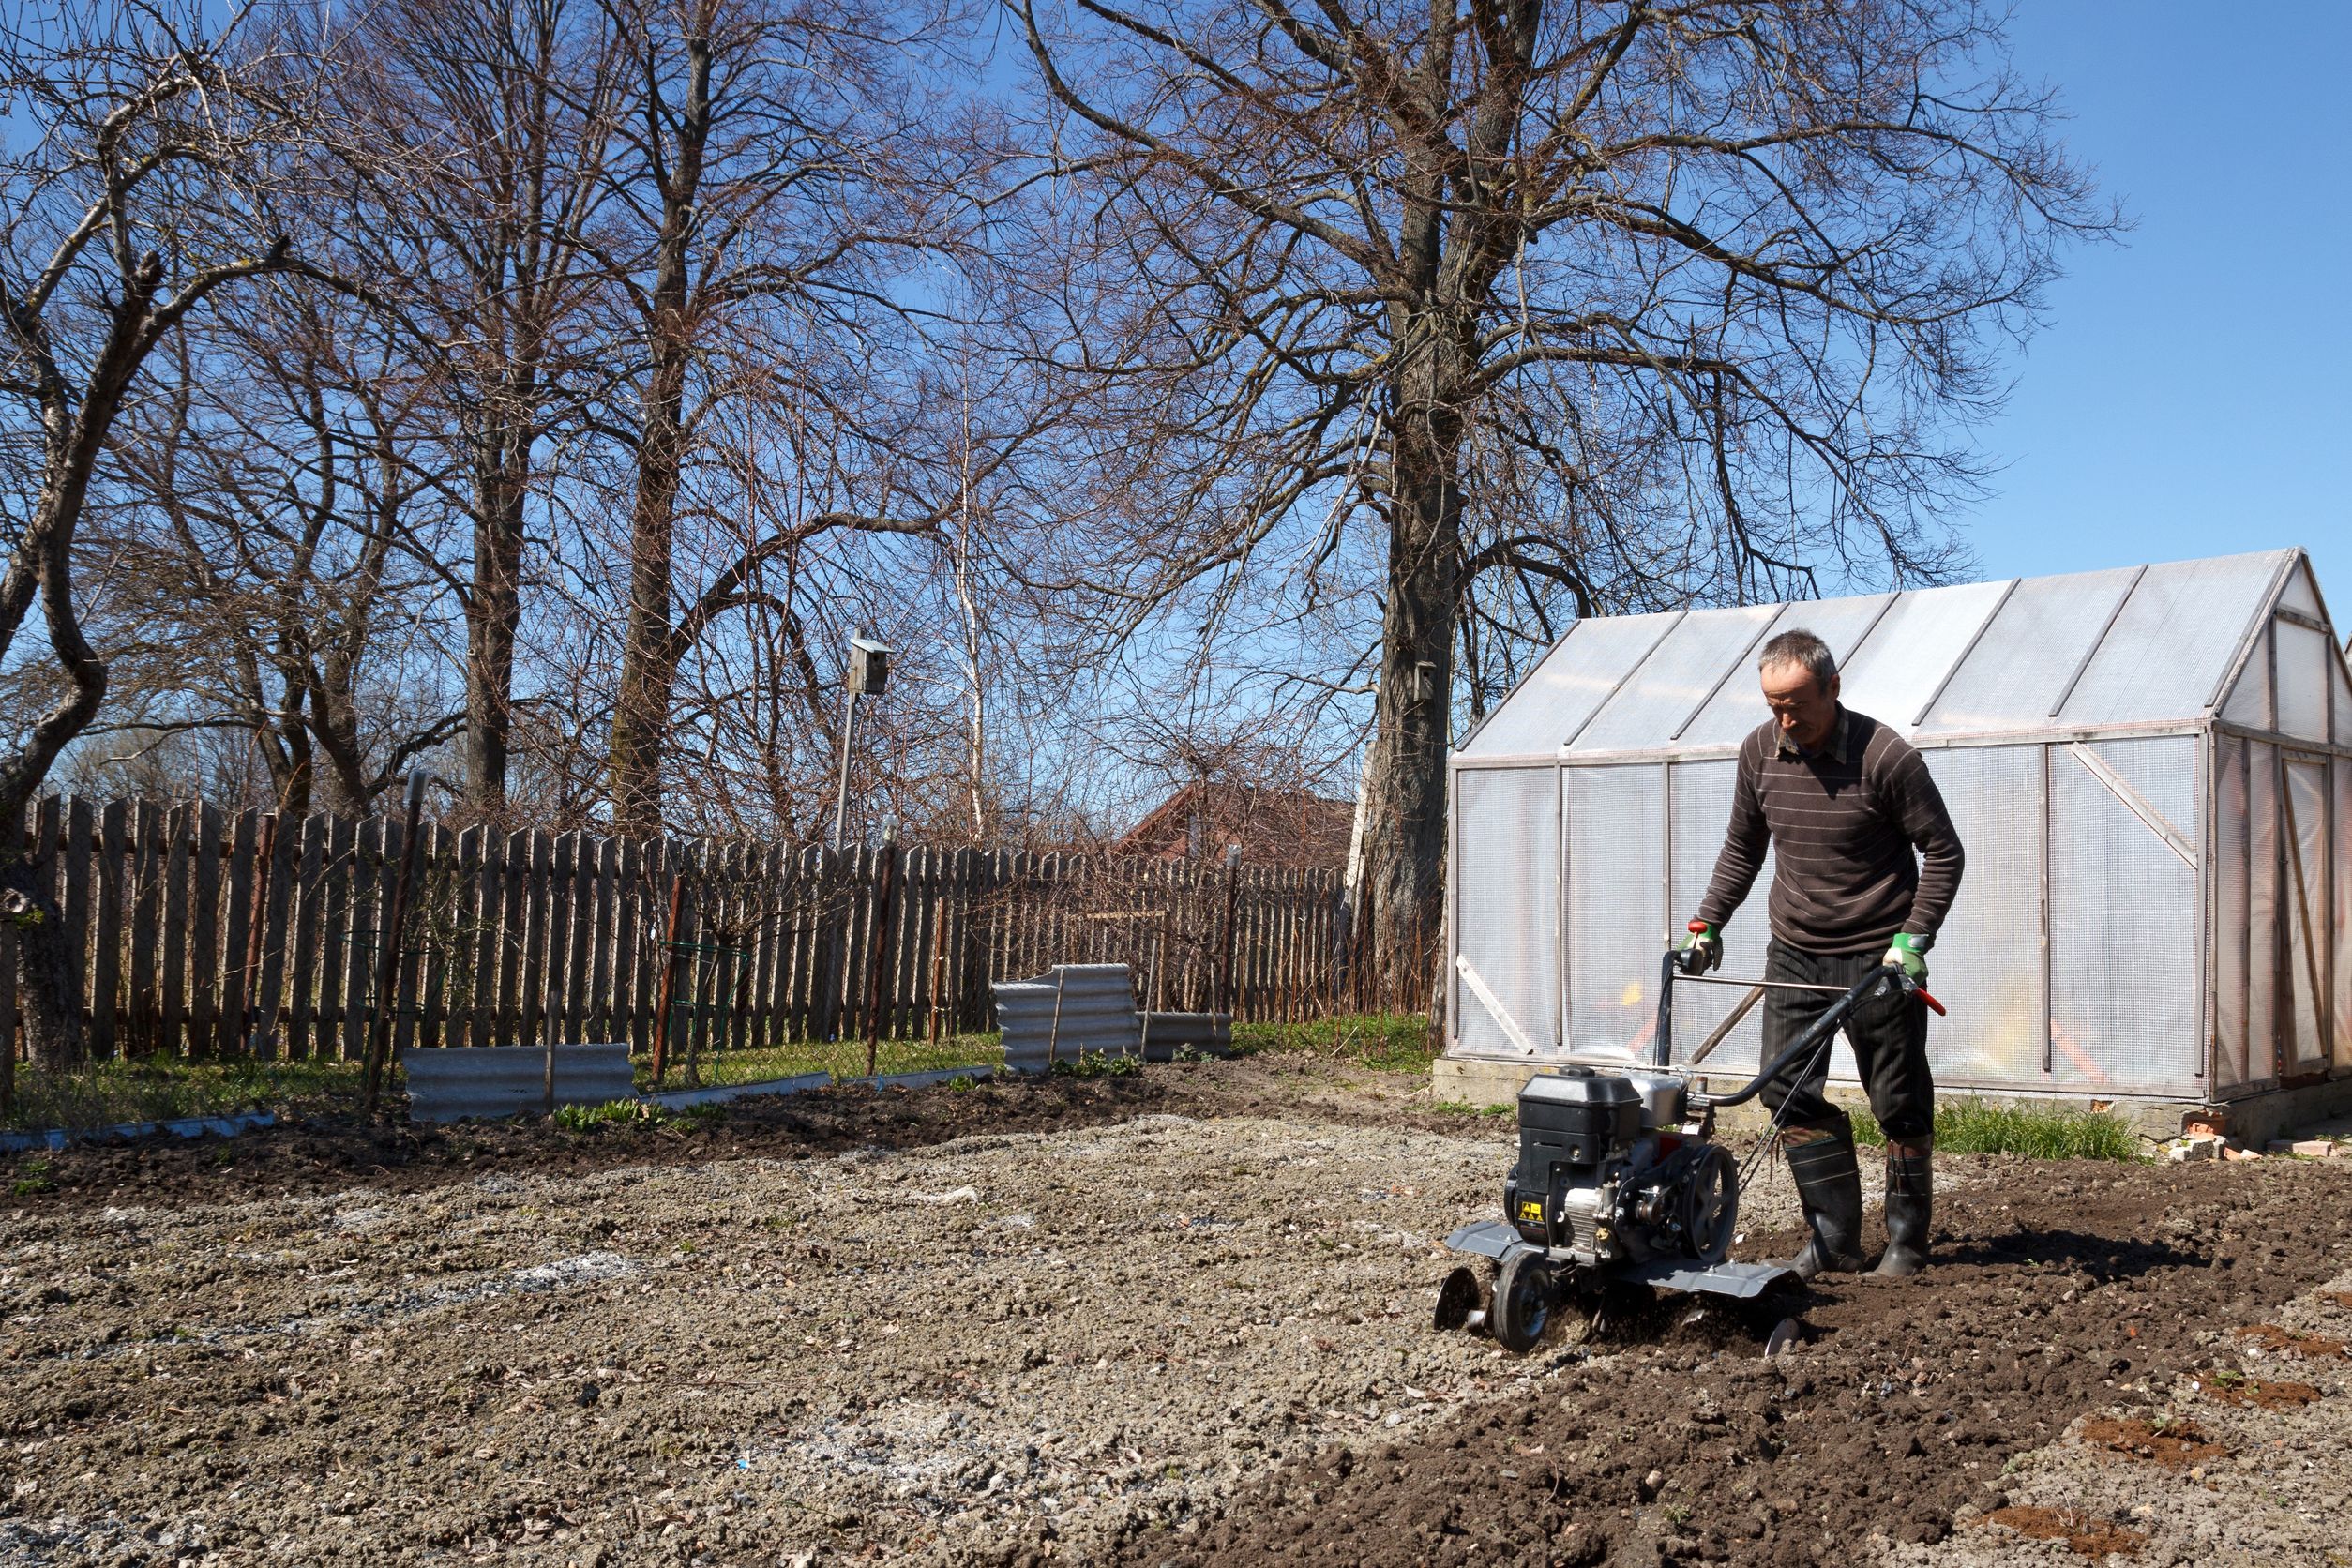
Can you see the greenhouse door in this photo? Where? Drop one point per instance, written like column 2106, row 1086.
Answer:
column 2307, row 897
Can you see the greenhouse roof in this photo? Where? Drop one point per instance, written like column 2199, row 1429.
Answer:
column 2128, row 646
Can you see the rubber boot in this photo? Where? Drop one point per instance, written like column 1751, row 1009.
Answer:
column 1829, row 1186
column 1910, row 1204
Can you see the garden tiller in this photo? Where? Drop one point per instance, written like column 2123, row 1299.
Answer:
column 1619, row 1180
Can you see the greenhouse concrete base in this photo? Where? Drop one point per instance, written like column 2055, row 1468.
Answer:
column 1486, row 1081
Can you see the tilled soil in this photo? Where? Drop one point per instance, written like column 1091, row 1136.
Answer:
column 1180, row 1315
column 967, row 1349
column 326, row 1154
column 2058, row 1290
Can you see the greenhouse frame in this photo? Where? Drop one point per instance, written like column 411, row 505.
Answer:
column 2150, row 768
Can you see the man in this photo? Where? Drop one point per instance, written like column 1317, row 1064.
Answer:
column 1843, row 801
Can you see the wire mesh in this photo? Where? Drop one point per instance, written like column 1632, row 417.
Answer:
column 2305, row 661
column 1573, row 680
column 2173, row 642
column 1986, row 964
column 2124, row 908
column 1507, row 849
column 2339, row 840
column 1738, row 705
column 1616, row 904
column 2262, row 911
column 2306, row 893
column 1906, row 656
column 1702, row 811
column 2230, row 849
column 2022, row 663
column 2249, row 699
column 1676, row 679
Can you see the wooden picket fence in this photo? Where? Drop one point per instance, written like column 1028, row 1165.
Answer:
column 202, row 932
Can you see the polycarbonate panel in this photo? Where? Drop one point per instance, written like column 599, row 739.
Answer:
column 2341, row 685
column 2304, row 657
column 1506, row 848
column 2249, row 699
column 1673, row 681
column 1738, row 705
column 2307, row 899
column 2262, row 911
column 1894, row 673
column 2298, row 593
column 2169, row 648
column 1615, row 900
column 2340, row 857
column 2230, row 849
column 2021, row 664
column 2163, row 771
column 1986, row 964
column 1575, row 678
column 1702, row 812
column 2125, row 986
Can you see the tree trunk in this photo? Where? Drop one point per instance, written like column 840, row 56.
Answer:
column 52, row 1003
column 493, row 616
column 1405, row 786
column 649, row 650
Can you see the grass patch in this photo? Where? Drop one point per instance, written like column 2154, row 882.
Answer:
column 164, row 1089
column 843, row 1059
column 1388, row 1042
column 1463, row 1108
column 1969, row 1126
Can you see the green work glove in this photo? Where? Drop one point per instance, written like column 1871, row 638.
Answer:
column 1701, row 948
column 1909, row 954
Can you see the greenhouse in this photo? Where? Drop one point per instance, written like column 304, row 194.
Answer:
column 2150, row 768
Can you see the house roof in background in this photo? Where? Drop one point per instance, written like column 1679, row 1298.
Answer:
column 1295, row 828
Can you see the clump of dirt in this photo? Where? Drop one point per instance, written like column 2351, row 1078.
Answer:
column 2252, row 1393
column 2341, row 1298
column 2091, row 1537
column 2279, row 1341
column 2056, row 1289
column 2174, row 1443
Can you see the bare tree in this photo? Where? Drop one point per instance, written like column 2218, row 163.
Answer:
column 1484, row 315
column 272, row 559
column 787, row 164
column 481, row 193
column 143, row 182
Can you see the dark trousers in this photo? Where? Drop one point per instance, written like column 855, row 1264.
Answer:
column 1890, row 1038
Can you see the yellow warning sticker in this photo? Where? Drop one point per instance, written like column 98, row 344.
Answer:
column 1531, row 1212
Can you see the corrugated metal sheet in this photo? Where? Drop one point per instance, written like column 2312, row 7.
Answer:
column 455, row 1084
column 1071, row 1009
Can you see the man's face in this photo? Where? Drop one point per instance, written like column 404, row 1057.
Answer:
column 1803, row 708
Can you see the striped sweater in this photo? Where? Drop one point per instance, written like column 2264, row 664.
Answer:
column 1842, row 825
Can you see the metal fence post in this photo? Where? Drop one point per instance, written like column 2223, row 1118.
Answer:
column 388, row 962
column 669, row 975
column 882, row 948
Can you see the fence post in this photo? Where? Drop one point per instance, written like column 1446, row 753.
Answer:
column 882, row 946
column 1232, row 894
column 388, row 960
column 669, row 975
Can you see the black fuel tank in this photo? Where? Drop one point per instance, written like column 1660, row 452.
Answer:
column 1576, row 1117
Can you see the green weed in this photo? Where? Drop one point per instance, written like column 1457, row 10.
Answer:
column 1096, row 1063
column 581, row 1119
column 32, row 1178
column 1463, row 1108
column 1973, row 1127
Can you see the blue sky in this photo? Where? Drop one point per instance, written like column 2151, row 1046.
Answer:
column 2193, row 392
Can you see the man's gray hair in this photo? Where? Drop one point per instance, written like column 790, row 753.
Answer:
column 1800, row 646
